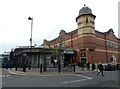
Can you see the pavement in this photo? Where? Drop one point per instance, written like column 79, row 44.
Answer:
column 49, row 72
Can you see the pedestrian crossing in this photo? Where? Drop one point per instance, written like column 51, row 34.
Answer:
column 1, row 76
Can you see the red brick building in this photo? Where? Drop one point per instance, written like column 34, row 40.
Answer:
column 90, row 45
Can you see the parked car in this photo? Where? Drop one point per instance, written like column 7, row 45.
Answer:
column 7, row 64
column 109, row 67
column 105, row 66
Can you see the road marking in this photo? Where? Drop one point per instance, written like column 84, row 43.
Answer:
column 75, row 81
column 86, row 78
column 34, row 74
column 83, row 76
column 4, row 76
column 17, row 73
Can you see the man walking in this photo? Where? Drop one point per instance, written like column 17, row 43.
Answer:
column 100, row 67
column 88, row 66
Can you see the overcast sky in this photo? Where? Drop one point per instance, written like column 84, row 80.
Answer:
column 49, row 17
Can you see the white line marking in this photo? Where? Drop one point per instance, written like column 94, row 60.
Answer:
column 17, row 73
column 87, row 78
column 75, row 81
column 7, row 75
column 4, row 76
column 83, row 76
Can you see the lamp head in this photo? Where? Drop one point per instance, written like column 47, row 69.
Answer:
column 30, row 18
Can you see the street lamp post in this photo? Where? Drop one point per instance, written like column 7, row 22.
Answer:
column 30, row 18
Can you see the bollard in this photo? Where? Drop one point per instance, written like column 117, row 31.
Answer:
column 41, row 68
column 16, row 68
column 93, row 67
column 59, row 67
column 30, row 65
column 16, row 65
column 24, row 68
column 74, row 67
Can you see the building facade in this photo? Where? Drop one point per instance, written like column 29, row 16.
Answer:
column 36, row 56
column 89, row 44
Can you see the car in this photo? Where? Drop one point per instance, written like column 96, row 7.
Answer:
column 109, row 67
column 105, row 66
column 7, row 64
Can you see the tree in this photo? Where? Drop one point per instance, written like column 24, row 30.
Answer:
column 56, row 54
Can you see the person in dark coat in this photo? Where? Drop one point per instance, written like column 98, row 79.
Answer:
column 93, row 67
column 82, row 65
column 54, row 64
column 100, row 67
column 88, row 66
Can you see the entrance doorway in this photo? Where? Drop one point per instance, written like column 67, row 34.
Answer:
column 84, row 60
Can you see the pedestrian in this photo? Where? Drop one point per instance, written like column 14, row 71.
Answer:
column 100, row 67
column 93, row 67
column 54, row 64
column 70, row 67
column 82, row 65
column 88, row 66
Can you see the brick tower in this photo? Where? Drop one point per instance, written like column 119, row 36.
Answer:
column 86, row 34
